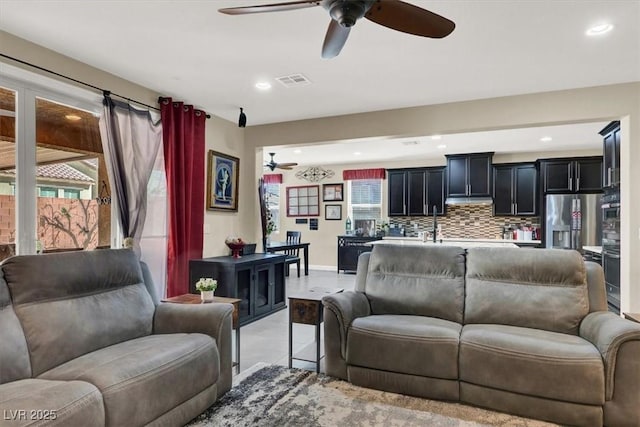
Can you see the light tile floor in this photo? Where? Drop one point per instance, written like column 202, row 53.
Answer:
column 267, row 340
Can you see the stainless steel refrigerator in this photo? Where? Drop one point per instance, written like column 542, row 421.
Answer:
column 573, row 221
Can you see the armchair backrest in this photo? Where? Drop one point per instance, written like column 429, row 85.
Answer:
column 533, row 288
column 14, row 355
column 426, row 281
column 72, row 303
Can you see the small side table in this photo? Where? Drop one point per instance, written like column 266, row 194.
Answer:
column 306, row 308
column 632, row 316
column 235, row 325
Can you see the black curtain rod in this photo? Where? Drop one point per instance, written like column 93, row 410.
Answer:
column 103, row 91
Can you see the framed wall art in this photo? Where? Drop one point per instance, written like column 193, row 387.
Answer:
column 332, row 212
column 303, row 200
column 222, row 182
column 332, row 192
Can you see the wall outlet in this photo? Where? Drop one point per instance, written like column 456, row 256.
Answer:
column 206, row 229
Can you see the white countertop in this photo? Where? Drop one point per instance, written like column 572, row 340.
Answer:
column 594, row 249
column 417, row 239
column 463, row 243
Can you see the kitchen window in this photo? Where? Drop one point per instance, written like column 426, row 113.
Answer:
column 365, row 199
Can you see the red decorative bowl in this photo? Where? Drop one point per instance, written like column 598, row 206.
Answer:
column 235, row 248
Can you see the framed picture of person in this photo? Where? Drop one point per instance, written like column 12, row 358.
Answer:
column 222, row 181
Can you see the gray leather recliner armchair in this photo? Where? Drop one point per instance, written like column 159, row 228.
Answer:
column 524, row 331
column 84, row 343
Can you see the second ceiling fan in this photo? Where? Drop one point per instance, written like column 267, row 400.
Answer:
column 394, row 14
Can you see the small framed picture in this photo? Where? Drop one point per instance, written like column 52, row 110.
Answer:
column 222, row 182
column 332, row 212
column 332, row 192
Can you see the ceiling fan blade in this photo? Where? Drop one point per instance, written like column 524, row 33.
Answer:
column 275, row 7
column 287, row 165
column 284, row 167
column 405, row 17
column 334, row 40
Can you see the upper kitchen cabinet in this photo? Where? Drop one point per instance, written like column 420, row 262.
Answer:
column 414, row 192
column 611, row 159
column 578, row 175
column 469, row 175
column 515, row 189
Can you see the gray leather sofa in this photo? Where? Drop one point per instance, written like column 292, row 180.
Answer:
column 524, row 331
column 84, row 342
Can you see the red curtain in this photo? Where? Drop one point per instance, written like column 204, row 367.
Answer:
column 183, row 129
column 350, row 174
column 272, row 178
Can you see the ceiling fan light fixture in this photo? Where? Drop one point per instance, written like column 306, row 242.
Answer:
column 346, row 13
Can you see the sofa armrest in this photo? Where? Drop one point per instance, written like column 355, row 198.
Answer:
column 608, row 332
column 210, row 319
column 340, row 310
column 347, row 306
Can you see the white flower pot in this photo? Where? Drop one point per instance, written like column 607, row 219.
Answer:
column 206, row 296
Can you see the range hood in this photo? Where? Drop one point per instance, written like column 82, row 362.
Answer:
column 477, row 200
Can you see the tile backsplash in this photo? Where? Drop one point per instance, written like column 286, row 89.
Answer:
column 468, row 221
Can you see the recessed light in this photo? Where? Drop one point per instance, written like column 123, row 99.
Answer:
column 73, row 117
column 356, row 153
column 600, row 29
column 436, row 137
column 297, row 151
column 546, row 139
column 441, row 147
column 263, row 85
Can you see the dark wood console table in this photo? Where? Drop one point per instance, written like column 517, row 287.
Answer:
column 350, row 248
column 257, row 280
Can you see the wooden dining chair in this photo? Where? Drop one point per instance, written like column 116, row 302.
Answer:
column 293, row 255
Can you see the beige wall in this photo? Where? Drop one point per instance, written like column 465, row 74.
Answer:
column 600, row 103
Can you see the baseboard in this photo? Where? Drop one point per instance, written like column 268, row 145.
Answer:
column 318, row 267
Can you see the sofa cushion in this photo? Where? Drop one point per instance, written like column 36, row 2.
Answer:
column 73, row 303
column 34, row 402
column 532, row 362
column 143, row 378
column 526, row 287
column 430, row 282
column 414, row 345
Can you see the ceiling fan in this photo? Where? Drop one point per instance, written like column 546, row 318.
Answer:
column 394, row 14
column 273, row 165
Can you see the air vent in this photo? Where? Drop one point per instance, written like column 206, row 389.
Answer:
column 293, row 80
column 410, row 142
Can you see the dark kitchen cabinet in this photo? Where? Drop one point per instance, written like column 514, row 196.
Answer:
column 611, row 158
column 258, row 280
column 515, row 189
column 350, row 248
column 415, row 192
column 581, row 175
column 469, row 175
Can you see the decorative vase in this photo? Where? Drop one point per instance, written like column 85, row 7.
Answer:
column 206, row 296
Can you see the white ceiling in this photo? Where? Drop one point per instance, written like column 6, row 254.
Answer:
column 188, row 50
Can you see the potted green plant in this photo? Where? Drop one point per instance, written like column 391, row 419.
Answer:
column 206, row 286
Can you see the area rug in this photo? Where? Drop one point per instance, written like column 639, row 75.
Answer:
column 273, row 395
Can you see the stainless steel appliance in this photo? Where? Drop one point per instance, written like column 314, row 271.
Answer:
column 611, row 247
column 573, row 221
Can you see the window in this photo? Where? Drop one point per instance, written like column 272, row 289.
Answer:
column 71, row 194
column 273, row 203
column 47, row 192
column 365, row 199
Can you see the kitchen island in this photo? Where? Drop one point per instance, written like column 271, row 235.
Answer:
column 462, row 243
